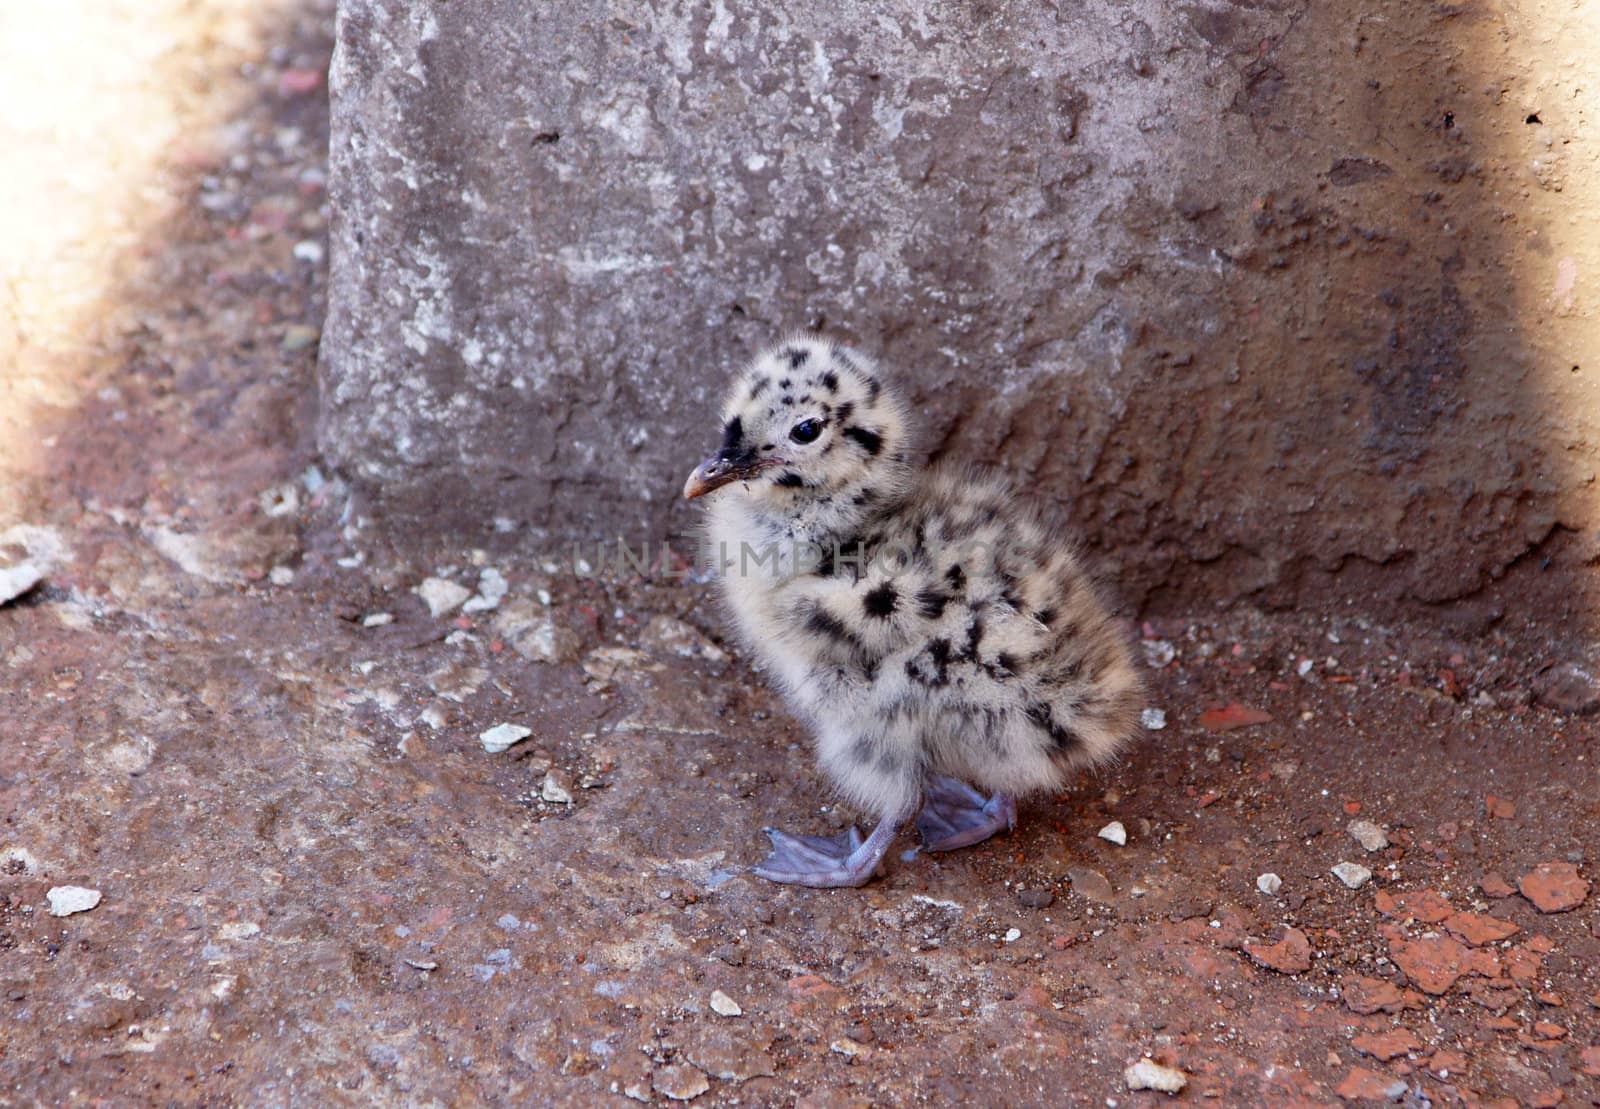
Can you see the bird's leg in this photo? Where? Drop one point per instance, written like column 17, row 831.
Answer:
column 956, row 815
column 824, row 861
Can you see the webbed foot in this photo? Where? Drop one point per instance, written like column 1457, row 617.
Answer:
column 956, row 815
column 826, row 861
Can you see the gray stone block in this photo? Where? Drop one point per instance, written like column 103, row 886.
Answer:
column 1227, row 282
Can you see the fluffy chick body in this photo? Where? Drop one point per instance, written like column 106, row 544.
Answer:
column 927, row 625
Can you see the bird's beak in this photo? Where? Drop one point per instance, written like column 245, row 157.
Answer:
column 721, row 469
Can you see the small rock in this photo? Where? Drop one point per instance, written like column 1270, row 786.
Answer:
column 725, row 1006
column 491, row 591
column 849, row 1047
column 308, row 251
column 442, row 596
column 298, row 337
column 1036, row 899
column 421, row 964
column 1570, row 688
column 1091, row 884
column 1147, row 1074
column 1494, row 885
column 1384, row 1046
column 1353, row 875
column 501, row 736
column 280, row 575
column 1478, row 929
column 17, row 580
column 66, row 900
column 1269, row 883
column 1153, row 719
column 1368, row 835
column 1433, row 963
column 377, row 619
column 1115, row 833
column 1362, row 1084
column 1500, row 808
column 555, row 789
column 1370, row 995
column 1158, row 653
column 239, row 930
column 1290, row 955
column 1013, row 935
column 1554, row 887
column 679, row 1082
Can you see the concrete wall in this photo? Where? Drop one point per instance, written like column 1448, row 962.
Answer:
column 1279, row 300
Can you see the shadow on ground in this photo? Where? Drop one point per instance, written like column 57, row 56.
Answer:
column 229, row 712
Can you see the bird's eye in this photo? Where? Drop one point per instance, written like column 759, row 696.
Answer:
column 806, row 431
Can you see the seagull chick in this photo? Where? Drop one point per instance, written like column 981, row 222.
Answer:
column 933, row 633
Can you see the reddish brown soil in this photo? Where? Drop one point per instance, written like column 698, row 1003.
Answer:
column 311, row 895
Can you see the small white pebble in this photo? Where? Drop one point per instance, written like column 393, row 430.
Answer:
column 1304, row 667
column 442, row 596
column 280, row 575
column 1158, row 653
column 377, row 619
column 1147, row 1074
column 1013, row 935
column 723, row 1005
column 239, row 930
column 1368, row 835
column 1115, row 833
column 308, row 251
column 556, row 793
column 66, row 900
column 501, row 736
column 1269, row 883
column 1353, row 875
column 1153, row 719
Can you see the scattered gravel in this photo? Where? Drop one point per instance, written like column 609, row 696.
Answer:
column 1353, row 875
column 1147, row 1074
column 1269, row 883
column 1368, row 835
column 1115, row 833
column 725, row 1006
column 441, row 596
column 501, row 736
column 66, row 900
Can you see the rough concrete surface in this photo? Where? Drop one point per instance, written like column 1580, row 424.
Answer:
column 1279, row 300
column 229, row 708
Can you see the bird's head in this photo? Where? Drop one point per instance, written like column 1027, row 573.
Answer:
column 808, row 423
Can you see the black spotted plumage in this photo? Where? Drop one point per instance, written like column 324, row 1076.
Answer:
column 939, row 635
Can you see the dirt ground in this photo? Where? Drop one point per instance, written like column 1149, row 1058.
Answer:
column 226, row 709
